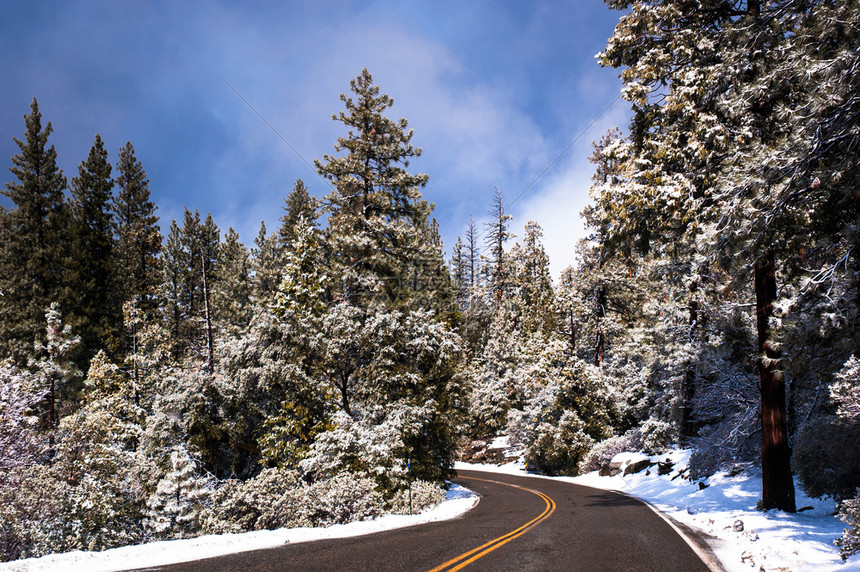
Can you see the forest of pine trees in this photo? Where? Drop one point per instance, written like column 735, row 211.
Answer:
column 164, row 385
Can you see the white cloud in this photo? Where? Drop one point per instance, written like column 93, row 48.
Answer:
column 558, row 199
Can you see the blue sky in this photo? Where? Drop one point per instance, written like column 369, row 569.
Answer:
column 494, row 91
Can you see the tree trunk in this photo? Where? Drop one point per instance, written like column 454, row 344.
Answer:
column 689, row 389
column 601, row 338
column 777, row 483
column 210, row 353
column 572, row 334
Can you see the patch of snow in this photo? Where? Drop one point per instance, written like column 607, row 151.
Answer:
column 629, row 458
column 517, row 467
column 502, row 442
column 458, row 501
column 770, row 540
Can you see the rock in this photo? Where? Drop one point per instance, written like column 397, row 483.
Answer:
column 702, row 485
column 738, row 526
column 665, row 467
column 637, row 467
column 610, row 469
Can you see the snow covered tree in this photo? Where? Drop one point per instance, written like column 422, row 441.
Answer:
column 19, row 397
column 231, row 293
column 531, row 283
column 496, row 238
column 55, row 374
column 299, row 205
column 302, row 407
column 379, row 232
column 265, row 263
column 175, row 505
column 732, row 106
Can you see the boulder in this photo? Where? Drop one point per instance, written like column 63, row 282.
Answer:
column 610, row 469
column 637, row 467
column 665, row 467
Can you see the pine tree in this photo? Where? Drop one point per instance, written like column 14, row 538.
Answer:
column 175, row 265
column 201, row 244
column 231, row 295
column 459, row 274
column 95, row 315
column 135, row 262
column 299, row 205
column 35, row 251
column 265, row 262
column 178, row 499
column 533, row 283
column 55, row 374
column 497, row 237
column 378, row 226
column 741, row 151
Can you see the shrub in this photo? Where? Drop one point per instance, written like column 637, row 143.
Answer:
column 265, row 502
column 849, row 511
column 656, row 435
column 425, row 495
column 827, row 457
column 603, row 451
column 278, row 498
column 346, row 497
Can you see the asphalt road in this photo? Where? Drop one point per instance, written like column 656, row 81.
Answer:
column 520, row 524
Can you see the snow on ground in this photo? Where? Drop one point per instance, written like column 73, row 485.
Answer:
column 458, row 501
column 769, row 541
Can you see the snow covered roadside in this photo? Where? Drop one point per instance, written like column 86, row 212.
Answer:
column 458, row 501
column 768, row 541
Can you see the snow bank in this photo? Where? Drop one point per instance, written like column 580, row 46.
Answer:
column 458, row 501
column 724, row 514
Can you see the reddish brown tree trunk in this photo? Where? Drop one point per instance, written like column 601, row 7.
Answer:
column 777, row 484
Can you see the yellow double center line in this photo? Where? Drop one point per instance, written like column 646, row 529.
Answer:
column 468, row 557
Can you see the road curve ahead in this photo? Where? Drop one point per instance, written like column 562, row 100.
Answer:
column 520, row 524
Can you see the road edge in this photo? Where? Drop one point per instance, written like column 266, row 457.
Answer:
column 692, row 537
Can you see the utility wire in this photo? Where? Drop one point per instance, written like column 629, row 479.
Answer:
column 504, row 210
column 299, row 155
column 554, row 161
column 560, row 155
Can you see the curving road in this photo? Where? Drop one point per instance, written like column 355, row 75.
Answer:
column 520, row 524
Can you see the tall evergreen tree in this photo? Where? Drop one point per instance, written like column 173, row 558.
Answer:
column 533, row 283
column 472, row 255
column 379, row 226
column 201, row 243
column 175, row 265
column 136, row 266
column 459, row 273
column 298, row 205
column 265, row 262
column 231, row 294
column 94, row 314
column 35, row 252
column 496, row 238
